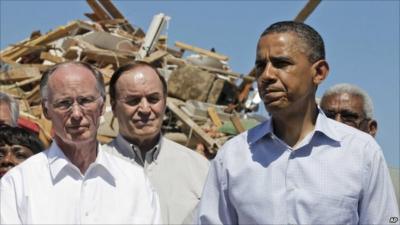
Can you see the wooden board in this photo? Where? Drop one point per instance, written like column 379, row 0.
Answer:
column 201, row 51
column 214, row 117
column 98, row 10
column 208, row 141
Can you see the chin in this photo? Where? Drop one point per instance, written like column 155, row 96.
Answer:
column 85, row 137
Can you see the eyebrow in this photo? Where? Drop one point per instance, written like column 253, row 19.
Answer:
column 273, row 58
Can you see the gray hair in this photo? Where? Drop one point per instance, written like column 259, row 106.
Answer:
column 368, row 106
column 96, row 73
column 13, row 105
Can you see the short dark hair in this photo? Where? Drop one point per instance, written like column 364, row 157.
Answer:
column 121, row 70
column 97, row 74
column 310, row 37
column 18, row 136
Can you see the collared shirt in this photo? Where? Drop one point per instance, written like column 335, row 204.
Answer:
column 336, row 175
column 176, row 172
column 48, row 189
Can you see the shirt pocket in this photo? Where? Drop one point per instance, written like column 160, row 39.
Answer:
column 320, row 208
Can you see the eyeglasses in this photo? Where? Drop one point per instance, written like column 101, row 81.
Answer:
column 350, row 118
column 84, row 103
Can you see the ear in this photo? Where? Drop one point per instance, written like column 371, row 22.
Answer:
column 372, row 127
column 320, row 70
column 45, row 112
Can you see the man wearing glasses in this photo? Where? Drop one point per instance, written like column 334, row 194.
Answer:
column 75, row 181
column 350, row 105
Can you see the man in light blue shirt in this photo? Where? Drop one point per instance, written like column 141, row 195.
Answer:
column 299, row 167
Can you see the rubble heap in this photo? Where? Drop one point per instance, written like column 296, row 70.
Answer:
column 206, row 106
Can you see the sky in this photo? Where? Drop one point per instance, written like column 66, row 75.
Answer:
column 361, row 39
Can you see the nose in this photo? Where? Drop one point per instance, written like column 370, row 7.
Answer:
column 76, row 111
column 269, row 71
column 144, row 106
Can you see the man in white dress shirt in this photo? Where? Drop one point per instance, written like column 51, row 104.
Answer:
column 75, row 181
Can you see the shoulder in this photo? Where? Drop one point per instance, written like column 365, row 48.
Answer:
column 121, row 162
column 115, row 150
column 180, row 152
column 239, row 145
column 30, row 167
column 352, row 137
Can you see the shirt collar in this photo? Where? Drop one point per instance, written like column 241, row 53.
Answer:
column 261, row 130
column 133, row 151
column 322, row 125
column 59, row 162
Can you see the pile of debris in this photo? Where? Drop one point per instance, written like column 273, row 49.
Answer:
column 206, row 105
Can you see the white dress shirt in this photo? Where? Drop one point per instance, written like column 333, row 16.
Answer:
column 336, row 175
column 48, row 189
column 176, row 172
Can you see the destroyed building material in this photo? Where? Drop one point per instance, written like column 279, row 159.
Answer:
column 189, row 82
column 204, row 83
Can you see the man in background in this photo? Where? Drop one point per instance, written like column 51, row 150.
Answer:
column 352, row 105
column 138, row 95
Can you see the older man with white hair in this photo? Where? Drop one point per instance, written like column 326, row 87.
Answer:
column 75, row 181
column 351, row 105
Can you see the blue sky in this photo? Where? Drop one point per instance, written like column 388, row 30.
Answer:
column 361, row 38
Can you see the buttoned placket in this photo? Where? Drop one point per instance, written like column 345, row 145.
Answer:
column 290, row 173
column 86, row 203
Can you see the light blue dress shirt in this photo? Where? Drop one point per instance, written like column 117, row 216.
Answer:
column 336, row 175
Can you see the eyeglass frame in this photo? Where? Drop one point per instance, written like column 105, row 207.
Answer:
column 77, row 101
column 356, row 122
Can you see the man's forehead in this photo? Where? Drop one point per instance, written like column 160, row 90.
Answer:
column 141, row 75
column 278, row 43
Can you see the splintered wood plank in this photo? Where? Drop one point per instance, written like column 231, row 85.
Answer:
column 201, row 51
column 98, row 10
column 114, row 12
column 214, row 116
column 237, row 124
column 92, row 16
column 208, row 141
column 155, row 56
column 51, row 58
column 219, row 71
column 60, row 32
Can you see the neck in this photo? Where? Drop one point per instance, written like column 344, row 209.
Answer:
column 80, row 154
column 292, row 127
column 144, row 144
